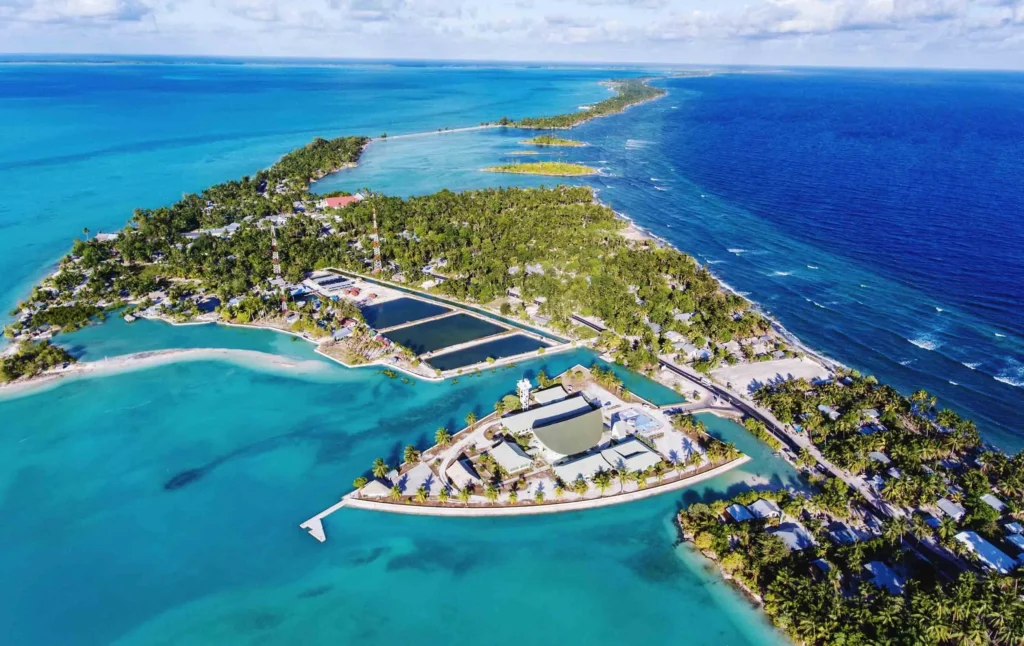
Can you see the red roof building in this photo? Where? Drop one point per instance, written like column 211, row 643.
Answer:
column 340, row 202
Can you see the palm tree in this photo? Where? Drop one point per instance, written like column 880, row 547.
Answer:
column 894, row 529
column 380, row 468
column 538, row 497
column 470, row 419
column 359, row 482
column 602, row 480
column 513, row 497
column 559, row 488
column 411, row 454
column 581, row 487
column 464, row 494
column 947, row 528
column 85, row 231
column 422, row 494
column 442, row 437
column 491, row 494
column 443, row 495
column 396, row 493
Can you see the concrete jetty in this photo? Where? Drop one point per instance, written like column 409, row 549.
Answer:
column 436, row 317
column 315, row 525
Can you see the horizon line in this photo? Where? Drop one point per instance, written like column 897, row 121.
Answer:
column 81, row 57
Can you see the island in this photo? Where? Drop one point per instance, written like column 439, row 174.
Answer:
column 552, row 141
column 902, row 505
column 628, row 92
column 554, row 169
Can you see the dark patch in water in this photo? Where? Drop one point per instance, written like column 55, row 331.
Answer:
column 258, row 620
column 318, row 591
column 184, row 478
column 654, row 566
column 431, row 556
column 368, row 557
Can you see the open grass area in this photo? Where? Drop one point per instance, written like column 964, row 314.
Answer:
column 560, row 169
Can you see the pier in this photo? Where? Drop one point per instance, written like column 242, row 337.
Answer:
column 417, row 322
column 315, row 525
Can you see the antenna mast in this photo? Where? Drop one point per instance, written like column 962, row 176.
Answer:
column 378, row 265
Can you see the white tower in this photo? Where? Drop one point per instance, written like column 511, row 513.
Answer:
column 524, row 392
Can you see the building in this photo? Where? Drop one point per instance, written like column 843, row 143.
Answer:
column 339, row 202
column 572, row 470
column 524, row 421
column 991, row 556
column 106, row 237
column 328, row 285
column 511, row 457
column 550, row 395
column 765, row 509
column 631, row 455
column 375, row 489
column 951, row 509
column 794, row 535
column 828, row 412
column 739, row 513
column 341, row 333
column 993, row 502
column 878, row 456
column 884, row 577
column 569, row 435
column 460, row 473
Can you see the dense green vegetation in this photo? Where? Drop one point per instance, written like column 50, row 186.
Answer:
column 842, row 606
column 628, row 92
column 32, row 359
column 556, row 169
column 150, row 254
column 551, row 140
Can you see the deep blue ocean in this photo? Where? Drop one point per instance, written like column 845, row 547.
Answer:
column 877, row 215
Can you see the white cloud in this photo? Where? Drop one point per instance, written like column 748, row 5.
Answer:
column 844, row 31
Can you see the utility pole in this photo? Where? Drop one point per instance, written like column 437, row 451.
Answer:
column 277, row 266
column 378, row 264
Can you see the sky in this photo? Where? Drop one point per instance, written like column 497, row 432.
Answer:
column 868, row 33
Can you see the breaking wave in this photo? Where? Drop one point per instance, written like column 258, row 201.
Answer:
column 926, row 343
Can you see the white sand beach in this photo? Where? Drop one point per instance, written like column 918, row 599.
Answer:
column 144, row 360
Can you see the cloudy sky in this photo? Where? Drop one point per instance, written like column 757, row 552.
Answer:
column 912, row 33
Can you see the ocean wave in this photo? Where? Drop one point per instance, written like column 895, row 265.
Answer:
column 734, row 250
column 905, row 362
column 952, row 383
column 926, row 343
column 659, row 188
column 812, row 266
column 1018, row 382
column 637, row 143
column 714, row 262
column 781, row 273
column 939, row 309
column 971, row 365
column 655, row 179
column 1001, row 336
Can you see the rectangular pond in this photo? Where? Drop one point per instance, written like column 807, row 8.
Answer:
column 649, row 389
column 451, row 330
column 399, row 311
column 497, row 349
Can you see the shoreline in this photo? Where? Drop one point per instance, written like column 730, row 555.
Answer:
column 457, row 510
column 147, row 359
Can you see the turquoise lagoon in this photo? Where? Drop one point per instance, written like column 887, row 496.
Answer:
column 161, row 506
column 105, row 542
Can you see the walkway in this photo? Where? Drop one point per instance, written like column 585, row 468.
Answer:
column 417, row 322
column 531, row 509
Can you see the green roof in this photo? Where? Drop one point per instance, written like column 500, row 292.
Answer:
column 573, row 435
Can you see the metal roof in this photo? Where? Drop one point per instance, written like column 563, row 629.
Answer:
column 572, row 435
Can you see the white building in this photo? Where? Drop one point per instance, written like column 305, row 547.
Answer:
column 460, row 473
column 794, row 535
column 986, row 552
column 511, row 457
column 631, row 455
column 765, row 509
column 951, row 509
